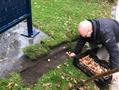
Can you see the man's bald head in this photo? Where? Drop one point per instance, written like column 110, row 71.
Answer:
column 85, row 28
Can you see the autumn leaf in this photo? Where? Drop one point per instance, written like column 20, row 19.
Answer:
column 70, row 85
column 9, row 85
column 46, row 84
column 28, row 88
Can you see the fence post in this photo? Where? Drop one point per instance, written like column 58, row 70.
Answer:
column 31, row 32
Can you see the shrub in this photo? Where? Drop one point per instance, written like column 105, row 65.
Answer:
column 34, row 51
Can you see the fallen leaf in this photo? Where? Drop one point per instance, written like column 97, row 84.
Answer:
column 28, row 88
column 58, row 66
column 16, row 84
column 9, row 85
column 70, row 85
column 46, row 84
column 62, row 77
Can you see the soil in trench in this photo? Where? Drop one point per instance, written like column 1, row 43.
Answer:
column 32, row 73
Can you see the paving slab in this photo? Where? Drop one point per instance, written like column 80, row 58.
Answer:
column 11, row 44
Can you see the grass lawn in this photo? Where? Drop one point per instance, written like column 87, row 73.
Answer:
column 59, row 19
column 61, row 78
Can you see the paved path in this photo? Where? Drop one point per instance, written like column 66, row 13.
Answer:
column 11, row 44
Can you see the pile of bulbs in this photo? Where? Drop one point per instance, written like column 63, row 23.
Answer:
column 92, row 65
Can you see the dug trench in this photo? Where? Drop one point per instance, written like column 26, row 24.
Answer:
column 33, row 70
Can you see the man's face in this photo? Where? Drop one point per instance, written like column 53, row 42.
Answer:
column 85, row 33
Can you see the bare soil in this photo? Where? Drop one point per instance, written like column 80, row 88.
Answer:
column 33, row 70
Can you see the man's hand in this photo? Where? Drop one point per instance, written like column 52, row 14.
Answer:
column 115, row 82
column 115, row 77
column 71, row 54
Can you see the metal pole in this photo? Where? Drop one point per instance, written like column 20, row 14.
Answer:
column 29, row 19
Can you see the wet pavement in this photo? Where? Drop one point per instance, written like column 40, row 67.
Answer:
column 11, row 44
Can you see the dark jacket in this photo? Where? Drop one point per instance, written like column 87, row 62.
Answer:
column 105, row 32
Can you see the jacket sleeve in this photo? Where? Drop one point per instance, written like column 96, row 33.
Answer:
column 112, row 47
column 81, row 42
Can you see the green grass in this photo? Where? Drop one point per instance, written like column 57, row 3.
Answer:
column 59, row 18
column 33, row 51
column 60, row 78
column 14, row 82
